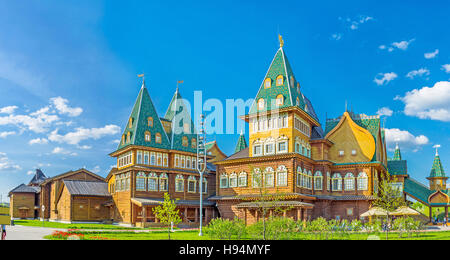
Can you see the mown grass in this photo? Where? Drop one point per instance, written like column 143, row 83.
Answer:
column 193, row 235
column 38, row 223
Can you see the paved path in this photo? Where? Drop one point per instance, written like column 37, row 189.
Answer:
column 27, row 233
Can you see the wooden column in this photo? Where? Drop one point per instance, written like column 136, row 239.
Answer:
column 298, row 214
column 196, row 215
column 206, row 215
column 245, row 216
column 431, row 214
column 185, row 215
column 446, row 213
column 256, row 215
column 144, row 215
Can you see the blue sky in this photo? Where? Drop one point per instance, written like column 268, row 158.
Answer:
column 68, row 70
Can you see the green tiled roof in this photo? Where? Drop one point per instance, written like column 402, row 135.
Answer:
column 241, row 143
column 437, row 170
column 142, row 110
column 396, row 167
column 397, row 154
column 178, row 113
column 279, row 66
column 417, row 190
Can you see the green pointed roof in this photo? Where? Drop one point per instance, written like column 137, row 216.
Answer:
column 179, row 114
column 437, row 170
column 280, row 66
column 142, row 110
column 397, row 154
column 241, row 143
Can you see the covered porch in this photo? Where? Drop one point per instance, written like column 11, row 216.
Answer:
column 252, row 212
column 189, row 212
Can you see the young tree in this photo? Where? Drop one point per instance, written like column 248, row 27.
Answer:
column 388, row 198
column 167, row 212
column 266, row 201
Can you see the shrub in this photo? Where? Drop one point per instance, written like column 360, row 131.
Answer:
column 226, row 229
column 277, row 228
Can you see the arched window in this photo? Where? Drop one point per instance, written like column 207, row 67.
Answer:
column 179, row 183
column 269, row 177
column 280, row 100
column 363, row 181
column 130, row 122
column 192, row 182
column 261, row 104
column 280, row 80
column 194, row 143
column 256, row 178
column 318, row 181
column 150, row 121
column 163, row 182
column 297, row 102
column 233, row 180
column 148, row 136
column 349, row 182
column 128, row 137
column 152, row 182
column 282, row 176
column 184, row 141
column 158, row 138
column 269, row 146
column 336, row 182
column 267, row 83
column 299, row 177
column 309, row 178
column 123, row 139
column 140, row 181
column 242, row 179
column 282, row 144
column 224, row 180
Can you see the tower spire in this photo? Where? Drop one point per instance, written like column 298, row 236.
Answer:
column 280, row 38
column 397, row 154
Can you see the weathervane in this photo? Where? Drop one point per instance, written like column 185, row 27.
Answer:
column 143, row 78
column 280, row 38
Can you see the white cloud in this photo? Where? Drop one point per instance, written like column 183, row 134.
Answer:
column 85, row 147
column 402, row 45
column 30, row 172
column 361, row 20
column 96, row 169
column 385, row 111
column 38, row 141
column 446, row 67
column 6, row 164
column 6, row 134
column 429, row 103
column 336, row 36
column 60, row 150
column 405, row 139
column 38, row 121
column 385, row 78
column 420, row 72
column 8, row 109
column 82, row 134
column 431, row 55
column 62, row 107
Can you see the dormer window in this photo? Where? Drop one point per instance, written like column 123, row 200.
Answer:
column 292, row 81
column 353, row 152
column 298, row 88
column 194, row 143
column 280, row 80
column 130, row 122
column 185, row 141
column 128, row 137
column 280, row 100
column 148, row 136
column 268, row 83
column 341, row 153
column 158, row 138
column 123, row 139
column 150, row 121
column 261, row 104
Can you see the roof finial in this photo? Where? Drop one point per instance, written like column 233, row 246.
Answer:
column 179, row 82
column 280, row 38
column 346, row 106
column 143, row 79
column 396, row 145
column 437, row 147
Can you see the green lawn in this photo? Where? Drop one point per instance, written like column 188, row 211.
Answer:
column 38, row 223
column 193, row 235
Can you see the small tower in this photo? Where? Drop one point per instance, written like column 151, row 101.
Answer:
column 397, row 154
column 241, row 143
column 437, row 178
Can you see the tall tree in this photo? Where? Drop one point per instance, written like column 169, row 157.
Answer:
column 167, row 212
